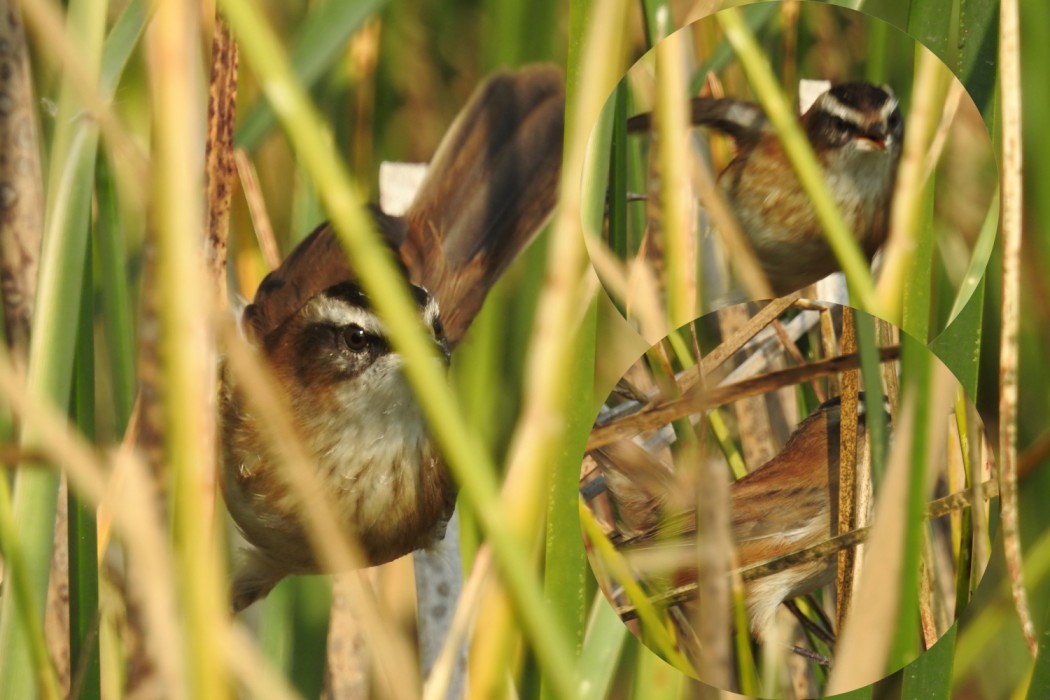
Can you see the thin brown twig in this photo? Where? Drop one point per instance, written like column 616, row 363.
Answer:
column 935, row 509
column 693, row 401
column 257, row 209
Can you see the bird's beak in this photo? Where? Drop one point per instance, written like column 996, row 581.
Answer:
column 874, row 138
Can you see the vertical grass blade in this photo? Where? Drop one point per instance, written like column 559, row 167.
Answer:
column 54, row 336
column 187, row 344
column 83, row 541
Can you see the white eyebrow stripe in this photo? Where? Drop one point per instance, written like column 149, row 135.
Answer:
column 832, row 105
column 889, row 107
column 744, row 114
column 332, row 311
column 431, row 312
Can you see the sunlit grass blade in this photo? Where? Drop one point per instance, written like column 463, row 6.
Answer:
column 187, row 341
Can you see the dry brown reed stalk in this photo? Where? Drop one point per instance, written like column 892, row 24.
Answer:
column 848, row 464
column 21, row 187
column 219, row 167
column 1012, row 230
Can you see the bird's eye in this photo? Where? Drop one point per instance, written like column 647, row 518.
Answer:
column 356, row 338
column 439, row 328
column 895, row 120
column 844, row 126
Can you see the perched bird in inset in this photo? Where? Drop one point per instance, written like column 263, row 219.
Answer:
column 856, row 131
column 781, row 507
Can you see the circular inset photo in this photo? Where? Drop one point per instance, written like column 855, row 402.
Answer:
column 788, row 498
column 861, row 152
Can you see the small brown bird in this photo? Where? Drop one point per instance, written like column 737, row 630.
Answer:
column 490, row 187
column 783, row 506
column 856, row 132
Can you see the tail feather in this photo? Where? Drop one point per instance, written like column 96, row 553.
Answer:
column 255, row 576
column 491, row 185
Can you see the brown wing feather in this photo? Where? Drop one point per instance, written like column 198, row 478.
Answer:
column 743, row 121
column 490, row 187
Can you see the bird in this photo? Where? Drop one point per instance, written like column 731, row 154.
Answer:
column 781, row 507
column 490, row 187
column 856, row 131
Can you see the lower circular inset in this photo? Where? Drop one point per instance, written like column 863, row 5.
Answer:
column 783, row 498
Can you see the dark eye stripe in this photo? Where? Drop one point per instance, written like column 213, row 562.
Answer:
column 351, row 293
column 420, row 295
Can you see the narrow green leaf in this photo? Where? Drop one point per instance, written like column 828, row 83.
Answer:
column 1039, row 686
column 114, row 298
column 929, row 22
column 311, row 601
column 618, row 176
column 84, row 615
column 871, row 372
column 603, row 646
column 565, row 580
column 978, row 52
column 959, row 345
column 121, row 41
column 929, row 677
